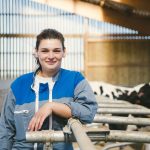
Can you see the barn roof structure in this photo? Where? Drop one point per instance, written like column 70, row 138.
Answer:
column 127, row 13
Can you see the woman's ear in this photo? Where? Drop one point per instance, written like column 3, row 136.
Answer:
column 35, row 53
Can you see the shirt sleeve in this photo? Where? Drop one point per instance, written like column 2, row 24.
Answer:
column 7, row 129
column 84, row 105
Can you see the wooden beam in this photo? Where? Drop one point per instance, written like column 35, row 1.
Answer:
column 139, row 4
column 77, row 7
column 142, row 25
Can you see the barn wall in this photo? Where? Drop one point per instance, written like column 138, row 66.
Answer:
column 120, row 62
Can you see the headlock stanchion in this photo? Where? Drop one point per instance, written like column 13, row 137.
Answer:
column 86, row 135
column 74, row 131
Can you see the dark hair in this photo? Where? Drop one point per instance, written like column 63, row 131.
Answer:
column 48, row 34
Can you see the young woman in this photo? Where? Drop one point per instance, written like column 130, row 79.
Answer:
column 46, row 98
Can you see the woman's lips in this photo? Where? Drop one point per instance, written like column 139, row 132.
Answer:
column 51, row 62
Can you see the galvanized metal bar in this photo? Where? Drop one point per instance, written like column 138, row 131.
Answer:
column 101, row 98
column 80, row 135
column 113, row 101
column 123, row 136
column 121, row 120
column 123, row 111
column 45, row 136
column 129, row 136
column 118, row 105
column 66, row 135
column 120, row 136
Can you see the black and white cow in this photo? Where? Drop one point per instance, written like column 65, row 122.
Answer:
column 109, row 90
column 139, row 94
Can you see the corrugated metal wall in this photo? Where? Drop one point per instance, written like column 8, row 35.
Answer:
column 21, row 20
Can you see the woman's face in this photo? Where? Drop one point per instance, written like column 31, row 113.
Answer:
column 50, row 54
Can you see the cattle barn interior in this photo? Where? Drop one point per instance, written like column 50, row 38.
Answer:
column 107, row 40
column 125, row 60
column 117, row 57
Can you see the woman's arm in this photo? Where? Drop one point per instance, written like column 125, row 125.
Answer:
column 84, row 106
column 7, row 129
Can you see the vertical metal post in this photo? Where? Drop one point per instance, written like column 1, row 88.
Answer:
column 47, row 146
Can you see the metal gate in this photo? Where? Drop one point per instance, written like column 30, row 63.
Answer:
column 75, row 131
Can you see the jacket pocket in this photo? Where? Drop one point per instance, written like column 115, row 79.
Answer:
column 22, row 119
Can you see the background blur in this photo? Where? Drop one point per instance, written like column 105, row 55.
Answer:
column 107, row 40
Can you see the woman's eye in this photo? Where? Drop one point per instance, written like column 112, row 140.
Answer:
column 44, row 51
column 57, row 51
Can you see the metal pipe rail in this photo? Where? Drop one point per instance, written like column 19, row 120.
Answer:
column 121, row 120
column 60, row 136
column 80, row 135
column 118, row 105
column 113, row 101
column 123, row 111
column 129, row 136
column 120, row 136
column 45, row 136
column 102, row 99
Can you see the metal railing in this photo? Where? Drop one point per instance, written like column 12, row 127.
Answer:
column 63, row 136
column 75, row 131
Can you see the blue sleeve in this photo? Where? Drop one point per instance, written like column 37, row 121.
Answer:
column 7, row 129
column 84, row 105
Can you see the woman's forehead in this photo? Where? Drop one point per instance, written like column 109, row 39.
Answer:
column 50, row 43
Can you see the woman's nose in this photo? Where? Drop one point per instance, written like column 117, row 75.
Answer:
column 51, row 55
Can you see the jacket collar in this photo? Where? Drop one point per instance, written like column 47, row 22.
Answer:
column 54, row 78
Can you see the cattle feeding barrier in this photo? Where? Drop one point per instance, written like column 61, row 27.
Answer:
column 74, row 131
column 85, row 142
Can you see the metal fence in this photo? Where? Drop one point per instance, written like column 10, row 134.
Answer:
column 99, row 130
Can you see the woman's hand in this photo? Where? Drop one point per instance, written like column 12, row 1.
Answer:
column 58, row 109
column 39, row 117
